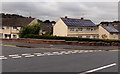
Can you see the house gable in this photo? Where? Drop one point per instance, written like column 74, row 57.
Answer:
column 106, row 34
column 60, row 28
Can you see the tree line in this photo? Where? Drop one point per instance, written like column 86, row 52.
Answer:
column 3, row 15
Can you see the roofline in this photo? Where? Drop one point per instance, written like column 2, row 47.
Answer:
column 75, row 18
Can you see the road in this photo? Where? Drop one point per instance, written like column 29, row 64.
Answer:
column 28, row 57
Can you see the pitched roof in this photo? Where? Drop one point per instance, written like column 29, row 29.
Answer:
column 47, row 26
column 110, row 29
column 78, row 22
column 16, row 21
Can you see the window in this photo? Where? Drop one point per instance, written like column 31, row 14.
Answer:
column 80, row 36
column 14, row 36
column 0, row 27
column 15, row 27
column 79, row 29
column 114, row 34
column 87, row 36
column 95, row 36
column 7, row 36
column 95, row 29
column 71, row 29
column 7, row 27
column 0, row 35
column 88, row 29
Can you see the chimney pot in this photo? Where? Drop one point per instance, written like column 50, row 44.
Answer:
column 82, row 18
column 65, row 16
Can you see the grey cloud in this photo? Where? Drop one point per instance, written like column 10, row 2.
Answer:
column 96, row 11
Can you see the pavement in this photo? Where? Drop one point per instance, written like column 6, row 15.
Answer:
column 31, row 57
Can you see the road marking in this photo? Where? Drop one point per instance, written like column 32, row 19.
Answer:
column 15, row 56
column 56, row 53
column 45, row 54
column 25, row 54
column 100, row 68
column 3, row 57
column 38, row 54
column 28, row 55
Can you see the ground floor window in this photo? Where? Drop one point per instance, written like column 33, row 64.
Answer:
column 14, row 36
column 87, row 36
column 0, row 35
column 95, row 36
column 80, row 36
column 7, row 36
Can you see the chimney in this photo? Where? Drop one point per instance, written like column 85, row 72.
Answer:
column 65, row 16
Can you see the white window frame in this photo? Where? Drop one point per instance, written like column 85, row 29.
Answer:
column 14, row 36
column 80, row 29
column 1, row 27
column 87, row 36
column 95, row 29
column 88, row 28
column 71, row 29
column 7, row 27
column 14, row 28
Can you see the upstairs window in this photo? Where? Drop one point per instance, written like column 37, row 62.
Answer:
column 15, row 27
column 88, row 29
column 71, row 29
column 79, row 29
column 0, row 27
column 95, row 29
column 7, row 27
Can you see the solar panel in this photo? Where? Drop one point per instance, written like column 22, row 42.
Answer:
column 77, row 22
column 111, row 29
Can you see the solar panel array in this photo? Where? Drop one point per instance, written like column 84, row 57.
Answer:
column 78, row 22
column 111, row 29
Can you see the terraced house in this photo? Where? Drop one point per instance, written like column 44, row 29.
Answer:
column 112, row 28
column 10, row 27
column 108, row 32
column 72, row 27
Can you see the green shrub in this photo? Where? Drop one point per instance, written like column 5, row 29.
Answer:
column 68, row 38
column 29, row 29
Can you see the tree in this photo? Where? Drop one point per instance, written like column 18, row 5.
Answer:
column 46, row 21
column 53, row 22
column 3, row 15
column 29, row 29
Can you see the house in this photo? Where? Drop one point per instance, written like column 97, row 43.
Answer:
column 46, row 27
column 10, row 27
column 108, row 32
column 72, row 27
column 115, row 25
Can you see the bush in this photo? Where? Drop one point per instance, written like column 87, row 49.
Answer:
column 29, row 29
column 68, row 38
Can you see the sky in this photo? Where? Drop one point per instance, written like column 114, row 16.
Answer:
column 95, row 11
